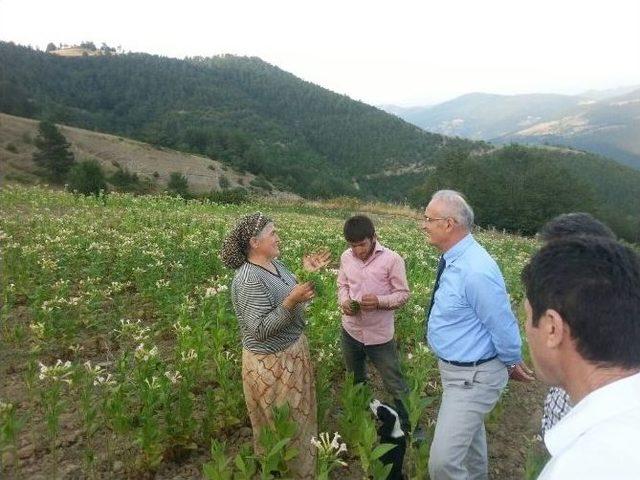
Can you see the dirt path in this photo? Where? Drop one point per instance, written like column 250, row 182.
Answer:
column 512, row 435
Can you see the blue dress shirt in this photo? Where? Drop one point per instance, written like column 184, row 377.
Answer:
column 471, row 318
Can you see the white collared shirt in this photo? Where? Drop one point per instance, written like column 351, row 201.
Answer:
column 600, row 437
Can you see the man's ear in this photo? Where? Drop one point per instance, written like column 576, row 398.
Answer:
column 451, row 224
column 553, row 327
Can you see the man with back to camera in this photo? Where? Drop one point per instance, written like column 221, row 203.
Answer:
column 557, row 403
column 583, row 328
column 374, row 277
column 472, row 330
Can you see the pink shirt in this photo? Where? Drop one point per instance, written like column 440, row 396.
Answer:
column 382, row 274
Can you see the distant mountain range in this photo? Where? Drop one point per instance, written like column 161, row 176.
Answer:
column 604, row 122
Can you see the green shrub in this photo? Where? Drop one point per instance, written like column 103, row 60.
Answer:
column 18, row 177
column 178, row 185
column 234, row 196
column 87, row 178
column 125, row 180
column 261, row 182
column 224, row 182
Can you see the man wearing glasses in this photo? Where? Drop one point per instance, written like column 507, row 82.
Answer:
column 472, row 330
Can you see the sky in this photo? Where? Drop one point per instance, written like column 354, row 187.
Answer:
column 380, row 52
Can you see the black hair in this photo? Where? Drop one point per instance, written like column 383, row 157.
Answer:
column 358, row 228
column 594, row 284
column 578, row 223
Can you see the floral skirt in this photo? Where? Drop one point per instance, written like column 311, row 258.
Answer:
column 274, row 379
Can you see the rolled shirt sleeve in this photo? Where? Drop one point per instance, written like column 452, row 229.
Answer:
column 399, row 286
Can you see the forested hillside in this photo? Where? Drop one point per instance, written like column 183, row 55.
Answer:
column 303, row 138
column 240, row 110
column 518, row 188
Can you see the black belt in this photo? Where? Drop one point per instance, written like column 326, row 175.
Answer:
column 468, row 364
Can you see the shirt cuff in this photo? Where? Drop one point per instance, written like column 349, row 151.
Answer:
column 508, row 362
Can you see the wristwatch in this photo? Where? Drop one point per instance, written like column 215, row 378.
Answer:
column 511, row 367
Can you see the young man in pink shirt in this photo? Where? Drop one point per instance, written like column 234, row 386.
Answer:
column 375, row 277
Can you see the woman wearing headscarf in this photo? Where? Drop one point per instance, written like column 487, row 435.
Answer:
column 269, row 305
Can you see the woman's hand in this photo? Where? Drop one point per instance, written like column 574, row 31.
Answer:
column 302, row 292
column 313, row 262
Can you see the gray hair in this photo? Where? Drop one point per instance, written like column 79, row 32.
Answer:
column 456, row 207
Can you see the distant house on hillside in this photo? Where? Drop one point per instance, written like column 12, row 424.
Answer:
column 75, row 52
column 85, row 49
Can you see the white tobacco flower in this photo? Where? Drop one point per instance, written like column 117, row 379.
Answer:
column 189, row 356
column 76, row 348
column 210, row 292
column 327, row 447
column 5, row 407
column 334, row 443
column 180, row 328
column 153, row 384
column 174, row 377
column 57, row 373
column 37, row 329
column 100, row 380
column 134, row 329
column 91, row 369
column 144, row 354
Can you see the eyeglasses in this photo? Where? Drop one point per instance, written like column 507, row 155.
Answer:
column 434, row 219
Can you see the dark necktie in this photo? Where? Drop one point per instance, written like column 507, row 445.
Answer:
column 441, row 264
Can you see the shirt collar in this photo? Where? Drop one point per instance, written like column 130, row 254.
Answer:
column 600, row 405
column 376, row 251
column 458, row 249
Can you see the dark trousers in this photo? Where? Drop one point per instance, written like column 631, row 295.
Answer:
column 385, row 358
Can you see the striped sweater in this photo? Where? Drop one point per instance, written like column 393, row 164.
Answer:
column 257, row 296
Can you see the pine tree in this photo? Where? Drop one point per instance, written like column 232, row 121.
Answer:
column 53, row 153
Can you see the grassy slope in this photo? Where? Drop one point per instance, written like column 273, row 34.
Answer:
column 110, row 151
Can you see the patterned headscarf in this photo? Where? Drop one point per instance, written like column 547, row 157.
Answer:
column 236, row 246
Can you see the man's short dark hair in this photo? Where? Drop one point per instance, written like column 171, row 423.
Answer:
column 578, row 223
column 358, row 228
column 594, row 284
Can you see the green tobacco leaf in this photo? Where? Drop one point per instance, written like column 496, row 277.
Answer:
column 382, row 449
